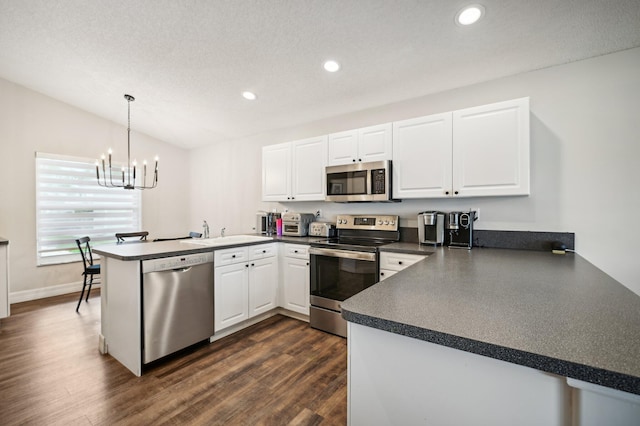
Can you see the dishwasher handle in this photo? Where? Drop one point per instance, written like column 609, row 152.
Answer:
column 176, row 263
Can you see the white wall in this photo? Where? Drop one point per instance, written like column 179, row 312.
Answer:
column 585, row 157
column 31, row 122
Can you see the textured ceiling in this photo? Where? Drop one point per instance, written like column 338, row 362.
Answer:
column 188, row 61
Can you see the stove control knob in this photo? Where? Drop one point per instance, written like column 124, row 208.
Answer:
column 386, row 222
column 392, row 223
column 379, row 222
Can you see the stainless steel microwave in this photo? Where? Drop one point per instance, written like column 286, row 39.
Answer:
column 359, row 182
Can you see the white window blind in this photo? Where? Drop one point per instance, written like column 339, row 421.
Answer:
column 71, row 205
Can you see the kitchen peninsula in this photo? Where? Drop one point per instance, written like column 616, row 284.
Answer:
column 493, row 336
column 158, row 297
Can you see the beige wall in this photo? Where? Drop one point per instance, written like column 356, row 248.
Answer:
column 585, row 158
column 31, row 122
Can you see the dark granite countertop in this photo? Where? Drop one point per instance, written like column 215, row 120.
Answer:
column 145, row 250
column 410, row 248
column 555, row 313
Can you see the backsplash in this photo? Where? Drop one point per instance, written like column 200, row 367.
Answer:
column 518, row 240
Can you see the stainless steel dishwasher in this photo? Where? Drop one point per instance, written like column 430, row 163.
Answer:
column 177, row 303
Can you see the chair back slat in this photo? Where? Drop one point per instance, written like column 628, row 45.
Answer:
column 85, row 251
column 142, row 235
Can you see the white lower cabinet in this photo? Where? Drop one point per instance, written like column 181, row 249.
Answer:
column 245, row 283
column 231, row 295
column 263, row 285
column 296, row 278
column 392, row 263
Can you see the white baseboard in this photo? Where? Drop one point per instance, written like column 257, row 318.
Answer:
column 41, row 293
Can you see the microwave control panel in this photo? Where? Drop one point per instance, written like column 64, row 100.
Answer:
column 378, row 179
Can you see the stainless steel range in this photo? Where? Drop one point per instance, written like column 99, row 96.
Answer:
column 345, row 265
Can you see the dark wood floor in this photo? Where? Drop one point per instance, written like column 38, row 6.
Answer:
column 278, row 372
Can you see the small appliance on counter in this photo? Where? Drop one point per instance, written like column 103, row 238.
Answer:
column 296, row 224
column 322, row 229
column 266, row 223
column 431, row 228
column 460, row 229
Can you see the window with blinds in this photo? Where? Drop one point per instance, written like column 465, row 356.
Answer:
column 71, row 205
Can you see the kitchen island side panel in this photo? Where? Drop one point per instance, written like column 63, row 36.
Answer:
column 122, row 327
column 395, row 379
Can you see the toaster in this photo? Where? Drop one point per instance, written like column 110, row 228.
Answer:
column 322, row 229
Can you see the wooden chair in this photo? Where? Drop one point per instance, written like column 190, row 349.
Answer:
column 90, row 269
column 141, row 235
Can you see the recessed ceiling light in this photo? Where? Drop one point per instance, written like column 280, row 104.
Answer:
column 331, row 66
column 470, row 14
column 249, row 95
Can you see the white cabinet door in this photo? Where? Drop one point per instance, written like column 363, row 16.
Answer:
column 375, row 143
column 367, row 144
column 263, row 285
column 276, row 172
column 491, row 149
column 422, row 149
column 308, row 173
column 343, row 148
column 296, row 285
column 231, row 293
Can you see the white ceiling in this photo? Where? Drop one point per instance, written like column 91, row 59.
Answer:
column 188, row 61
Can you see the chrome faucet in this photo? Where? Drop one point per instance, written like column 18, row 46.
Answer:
column 222, row 232
column 205, row 228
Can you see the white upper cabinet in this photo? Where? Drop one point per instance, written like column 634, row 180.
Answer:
column 276, row 172
column 295, row 171
column 422, row 157
column 372, row 143
column 308, row 169
column 480, row 151
column 491, row 149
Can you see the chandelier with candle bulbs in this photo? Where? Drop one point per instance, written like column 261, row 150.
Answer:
column 127, row 177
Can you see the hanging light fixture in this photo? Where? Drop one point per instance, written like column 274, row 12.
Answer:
column 128, row 178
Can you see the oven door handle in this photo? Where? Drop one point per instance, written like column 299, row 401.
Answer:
column 346, row 254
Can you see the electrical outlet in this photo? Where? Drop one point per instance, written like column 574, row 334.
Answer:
column 319, row 213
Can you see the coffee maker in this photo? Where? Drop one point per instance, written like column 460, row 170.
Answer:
column 431, row 228
column 460, row 229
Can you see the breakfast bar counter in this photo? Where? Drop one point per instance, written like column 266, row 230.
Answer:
column 557, row 314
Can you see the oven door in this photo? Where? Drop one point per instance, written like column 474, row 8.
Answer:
column 338, row 274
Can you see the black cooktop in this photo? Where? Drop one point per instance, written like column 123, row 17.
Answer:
column 361, row 244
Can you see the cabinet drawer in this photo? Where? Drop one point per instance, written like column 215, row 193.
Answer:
column 230, row 256
column 296, row 250
column 398, row 261
column 386, row 273
column 262, row 251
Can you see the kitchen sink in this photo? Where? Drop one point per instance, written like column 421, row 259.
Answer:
column 227, row 241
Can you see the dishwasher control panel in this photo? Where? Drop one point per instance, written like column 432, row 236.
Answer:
column 175, row 262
